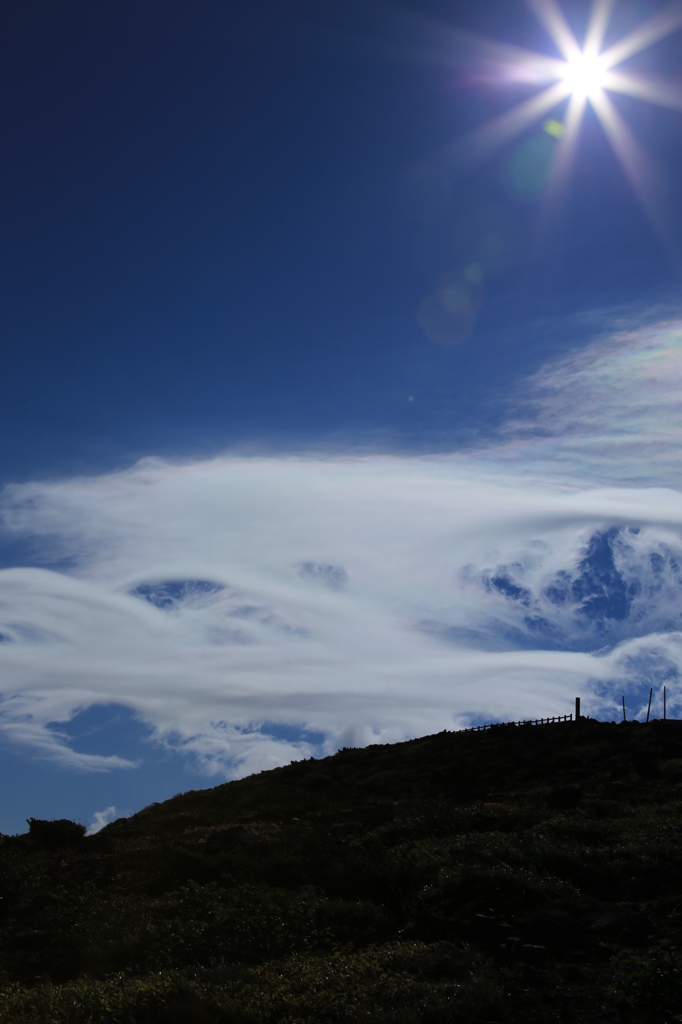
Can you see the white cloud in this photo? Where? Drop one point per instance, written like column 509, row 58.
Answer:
column 356, row 597
column 100, row 819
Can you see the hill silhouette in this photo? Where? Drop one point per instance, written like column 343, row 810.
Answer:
column 526, row 873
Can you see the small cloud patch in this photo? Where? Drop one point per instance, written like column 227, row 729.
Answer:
column 333, row 576
column 100, row 819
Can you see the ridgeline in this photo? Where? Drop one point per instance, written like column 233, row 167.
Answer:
column 522, row 874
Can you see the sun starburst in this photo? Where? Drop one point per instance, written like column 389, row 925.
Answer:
column 583, row 75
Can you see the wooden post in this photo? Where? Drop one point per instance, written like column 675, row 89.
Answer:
column 577, row 708
column 664, row 707
column 624, row 718
column 649, row 708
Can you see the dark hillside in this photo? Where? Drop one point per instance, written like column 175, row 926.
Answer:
column 521, row 874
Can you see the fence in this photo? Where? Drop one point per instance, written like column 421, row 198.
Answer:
column 528, row 721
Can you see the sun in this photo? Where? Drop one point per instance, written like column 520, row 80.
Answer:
column 578, row 76
column 585, row 75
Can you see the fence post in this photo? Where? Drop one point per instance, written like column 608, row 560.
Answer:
column 577, row 708
column 664, row 707
column 649, row 708
column 624, row 718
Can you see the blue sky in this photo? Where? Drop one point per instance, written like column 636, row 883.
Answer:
column 324, row 422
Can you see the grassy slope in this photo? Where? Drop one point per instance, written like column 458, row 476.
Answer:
column 522, row 874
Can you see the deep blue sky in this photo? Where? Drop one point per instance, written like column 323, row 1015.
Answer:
column 210, row 233
column 218, row 224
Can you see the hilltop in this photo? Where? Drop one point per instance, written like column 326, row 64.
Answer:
column 526, row 873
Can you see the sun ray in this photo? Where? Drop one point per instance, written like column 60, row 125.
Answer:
column 565, row 155
column 599, row 20
column 450, row 47
column 568, row 141
column 631, row 157
column 652, row 31
column 485, row 140
column 646, row 89
column 472, row 48
column 511, row 63
column 552, row 17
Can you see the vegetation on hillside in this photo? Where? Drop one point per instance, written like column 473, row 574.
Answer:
column 523, row 874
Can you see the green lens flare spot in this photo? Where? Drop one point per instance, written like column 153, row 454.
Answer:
column 553, row 128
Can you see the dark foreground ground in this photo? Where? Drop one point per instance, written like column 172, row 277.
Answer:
column 528, row 874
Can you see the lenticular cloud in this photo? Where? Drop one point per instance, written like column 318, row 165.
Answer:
column 358, row 600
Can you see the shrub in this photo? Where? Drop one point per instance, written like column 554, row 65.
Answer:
column 651, row 980
column 52, row 835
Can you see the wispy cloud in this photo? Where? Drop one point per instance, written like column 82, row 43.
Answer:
column 24, row 717
column 609, row 413
column 366, row 599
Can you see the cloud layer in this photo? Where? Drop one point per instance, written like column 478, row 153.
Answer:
column 610, row 412
column 364, row 599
